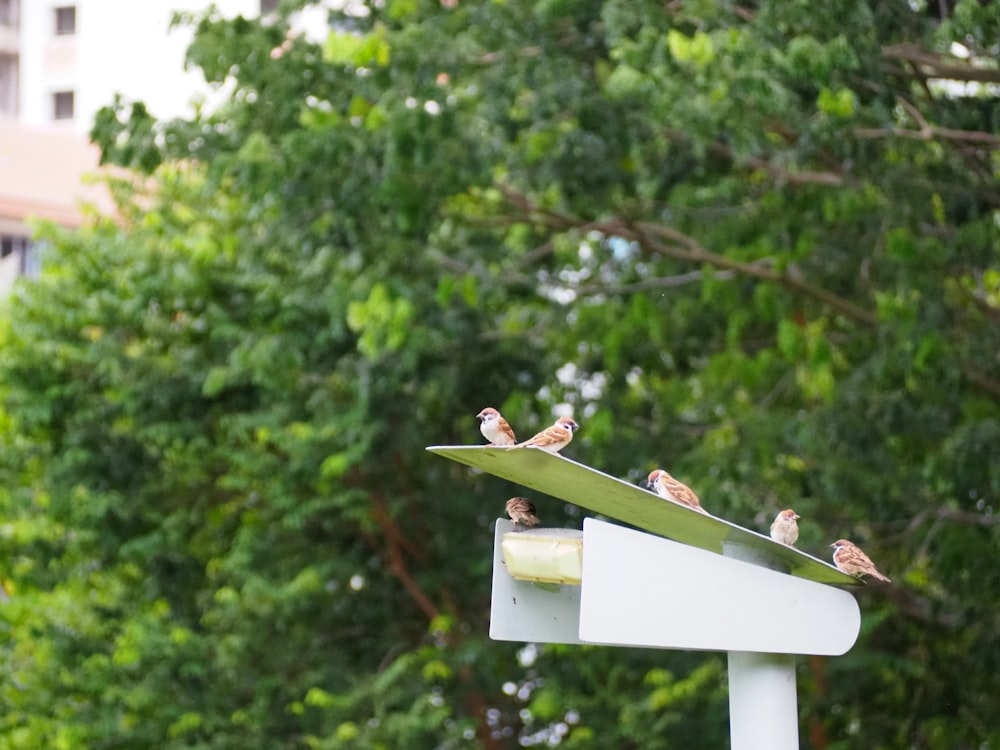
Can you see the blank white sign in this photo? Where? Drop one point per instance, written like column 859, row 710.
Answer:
column 643, row 590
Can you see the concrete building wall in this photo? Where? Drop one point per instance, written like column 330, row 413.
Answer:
column 60, row 62
column 118, row 46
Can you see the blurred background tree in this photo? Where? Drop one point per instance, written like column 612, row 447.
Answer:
column 756, row 244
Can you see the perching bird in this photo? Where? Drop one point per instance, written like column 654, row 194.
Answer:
column 850, row 559
column 784, row 529
column 666, row 486
column 495, row 428
column 554, row 438
column 522, row 512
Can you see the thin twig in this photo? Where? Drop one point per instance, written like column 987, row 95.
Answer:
column 665, row 282
column 801, row 177
column 937, row 67
column 930, row 133
column 694, row 252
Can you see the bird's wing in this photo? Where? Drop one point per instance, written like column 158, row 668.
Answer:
column 506, row 430
column 683, row 494
column 551, row 436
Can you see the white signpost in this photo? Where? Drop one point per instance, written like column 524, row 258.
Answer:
column 719, row 587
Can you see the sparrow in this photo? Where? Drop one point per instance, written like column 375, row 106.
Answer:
column 784, row 529
column 553, row 439
column 851, row 560
column 522, row 512
column 495, row 428
column 666, row 486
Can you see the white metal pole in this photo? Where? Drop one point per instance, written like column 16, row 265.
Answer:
column 763, row 706
column 763, row 702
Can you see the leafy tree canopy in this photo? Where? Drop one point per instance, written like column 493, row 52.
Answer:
column 755, row 244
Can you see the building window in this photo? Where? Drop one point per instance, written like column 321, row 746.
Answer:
column 31, row 258
column 8, row 13
column 24, row 253
column 62, row 105
column 8, row 244
column 8, row 85
column 66, row 20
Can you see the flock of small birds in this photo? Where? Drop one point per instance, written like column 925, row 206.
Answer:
column 847, row 557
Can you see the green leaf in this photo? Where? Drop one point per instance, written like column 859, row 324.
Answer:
column 319, row 698
column 624, row 82
column 697, row 49
column 215, row 381
column 189, row 722
column 839, row 103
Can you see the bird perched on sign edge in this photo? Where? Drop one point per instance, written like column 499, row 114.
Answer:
column 667, row 487
column 495, row 428
column 784, row 529
column 849, row 559
column 522, row 512
column 552, row 439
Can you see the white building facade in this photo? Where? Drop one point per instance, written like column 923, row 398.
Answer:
column 60, row 62
column 74, row 56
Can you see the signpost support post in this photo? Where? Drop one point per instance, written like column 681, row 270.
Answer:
column 763, row 706
column 763, row 701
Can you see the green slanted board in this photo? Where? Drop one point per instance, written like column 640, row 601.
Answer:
column 596, row 491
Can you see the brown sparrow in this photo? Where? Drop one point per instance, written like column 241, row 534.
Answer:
column 495, row 428
column 522, row 512
column 666, row 486
column 553, row 439
column 784, row 529
column 851, row 560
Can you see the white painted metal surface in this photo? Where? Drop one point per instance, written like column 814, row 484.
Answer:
column 643, row 590
column 763, row 705
column 526, row 612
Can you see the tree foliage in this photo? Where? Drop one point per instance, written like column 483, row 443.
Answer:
column 756, row 244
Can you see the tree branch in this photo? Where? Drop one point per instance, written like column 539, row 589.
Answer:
column 683, row 247
column 921, row 608
column 532, row 257
column 936, row 515
column 933, row 66
column 476, row 706
column 930, row 133
column 926, row 131
column 817, row 731
column 791, row 176
column 672, row 243
column 664, row 282
column 966, row 517
column 982, row 380
column 395, row 543
column 694, row 252
column 550, row 218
